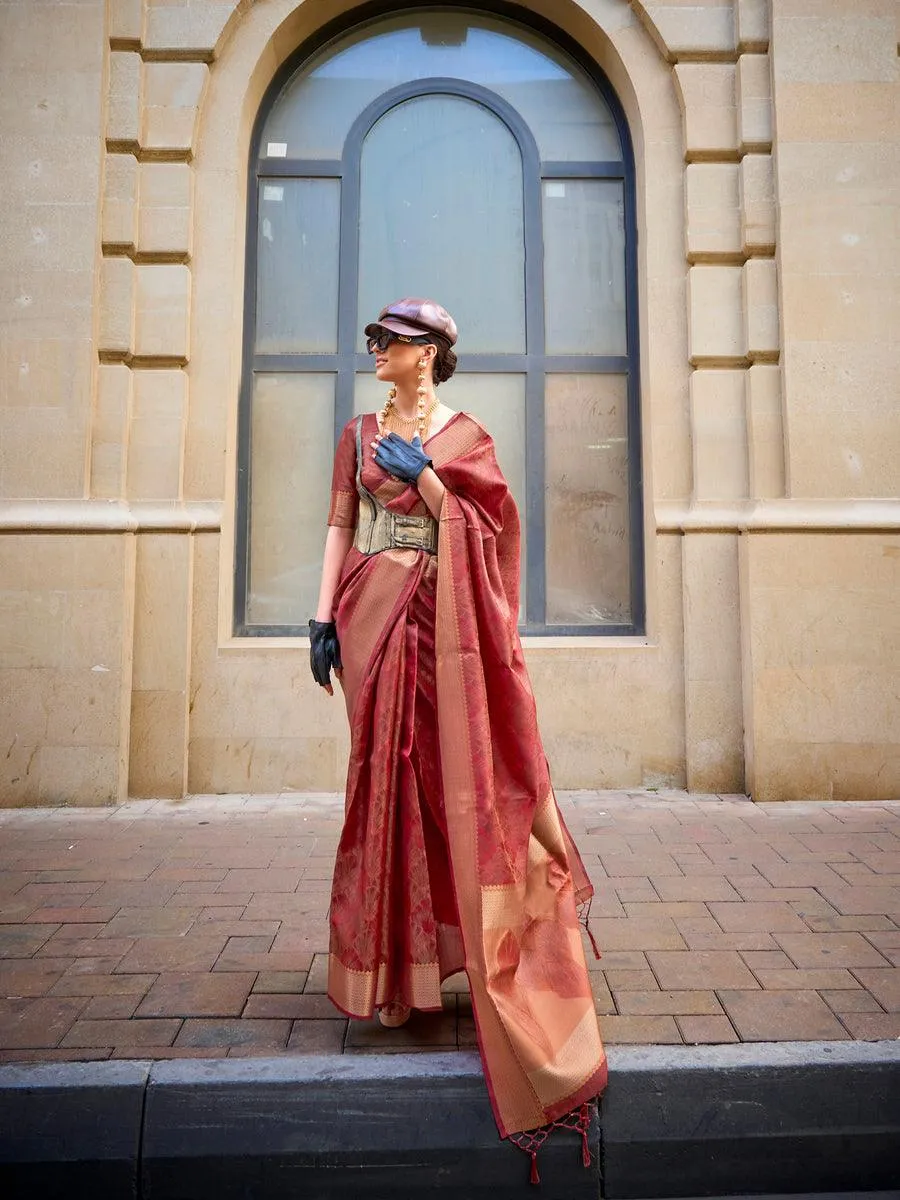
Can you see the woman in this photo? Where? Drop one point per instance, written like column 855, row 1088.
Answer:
column 453, row 853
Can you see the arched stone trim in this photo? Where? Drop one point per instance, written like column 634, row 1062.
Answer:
column 255, row 44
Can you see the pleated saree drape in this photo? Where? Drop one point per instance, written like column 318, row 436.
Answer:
column 454, row 854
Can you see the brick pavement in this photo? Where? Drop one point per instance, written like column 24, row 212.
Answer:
column 166, row 929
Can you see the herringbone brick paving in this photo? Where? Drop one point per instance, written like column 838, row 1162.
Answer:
column 198, row 928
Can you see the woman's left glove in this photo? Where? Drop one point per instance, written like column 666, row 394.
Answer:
column 404, row 460
column 324, row 651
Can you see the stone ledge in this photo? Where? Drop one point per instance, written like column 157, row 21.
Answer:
column 109, row 516
column 779, row 516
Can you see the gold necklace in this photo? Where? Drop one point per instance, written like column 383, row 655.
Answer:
column 393, row 422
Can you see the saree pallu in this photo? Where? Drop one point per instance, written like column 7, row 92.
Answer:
column 454, row 854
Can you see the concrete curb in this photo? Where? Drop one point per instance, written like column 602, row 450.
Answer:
column 794, row 1116
column 71, row 1129
column 676, row 1121
column 379, row 1126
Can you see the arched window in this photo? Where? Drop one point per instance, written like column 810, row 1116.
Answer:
column 453, row 154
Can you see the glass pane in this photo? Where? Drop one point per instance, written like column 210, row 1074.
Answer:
column 584, row 266
column 441, row 215
column 588, row 531
column 498, row 401
column 569, row 119
column 292, row 443
column 297, row 272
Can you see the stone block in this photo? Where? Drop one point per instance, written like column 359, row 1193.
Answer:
column 123, row 119
column 72, row 40
column 45, row 372
column 754, row 103
column 116, row 331
column 93, row 720
column 212, row 375
column 72, row 1129
column 757, row 200
column 109, row 432
column 125, row 20
column 46, row 237
column 119, row 215
column 42, row 452
column 160, row 395
column 719, row 435
column 689, row 29
column 50, row 96
column 712, row 656
column 156, row 434
column 842, row 433
column 715, row 329
column 713, row 211
column 162, row 305
column 836, row 113
column 751, row 23
column 157, row 759
column 62, row 631
column 765, row 431
column 86, row 775
column 852, row 174
column 821, row 704
column 762, row 337
column 264, row 763
column 196, row 27
column 831, row 44
column 165, row 209
column 34, row 624
column 162, row 612
column 853, row 308
column 707, row 92
column 172, row 93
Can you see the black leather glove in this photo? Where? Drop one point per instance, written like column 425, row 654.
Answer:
column 324, row 651
column 404, row 460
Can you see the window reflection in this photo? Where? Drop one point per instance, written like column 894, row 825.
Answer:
column 570, row 121
column 441, row 215
column 584, row 266
column 297, row 266
column 588, row 529
column 439, row 191
column 292, row 419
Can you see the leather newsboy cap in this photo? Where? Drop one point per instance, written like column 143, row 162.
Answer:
column 415, row 317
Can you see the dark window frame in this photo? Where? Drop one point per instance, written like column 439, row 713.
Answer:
column 346, row 362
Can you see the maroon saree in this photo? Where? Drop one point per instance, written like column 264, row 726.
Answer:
column 454, row 854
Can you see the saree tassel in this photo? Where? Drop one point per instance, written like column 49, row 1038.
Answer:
column 593, row 940
column 534, row 1177
column 584, row 1120
column 584, row 918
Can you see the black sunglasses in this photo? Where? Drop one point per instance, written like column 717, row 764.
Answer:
column 382, row 340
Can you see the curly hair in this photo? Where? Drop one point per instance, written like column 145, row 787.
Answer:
column 444, row 361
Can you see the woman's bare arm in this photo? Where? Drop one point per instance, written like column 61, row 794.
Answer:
column 337, row 543
column 432, row 491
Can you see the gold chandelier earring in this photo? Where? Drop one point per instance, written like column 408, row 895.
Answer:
column 422, row 392
column 388, row 405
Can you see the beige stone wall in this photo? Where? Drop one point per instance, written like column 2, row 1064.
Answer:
column 821, row 643
column 767, row 171
column 65, row 615
column 65, row 597
column 835, row 79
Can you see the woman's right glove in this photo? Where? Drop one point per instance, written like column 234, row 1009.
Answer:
column 324, row 651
